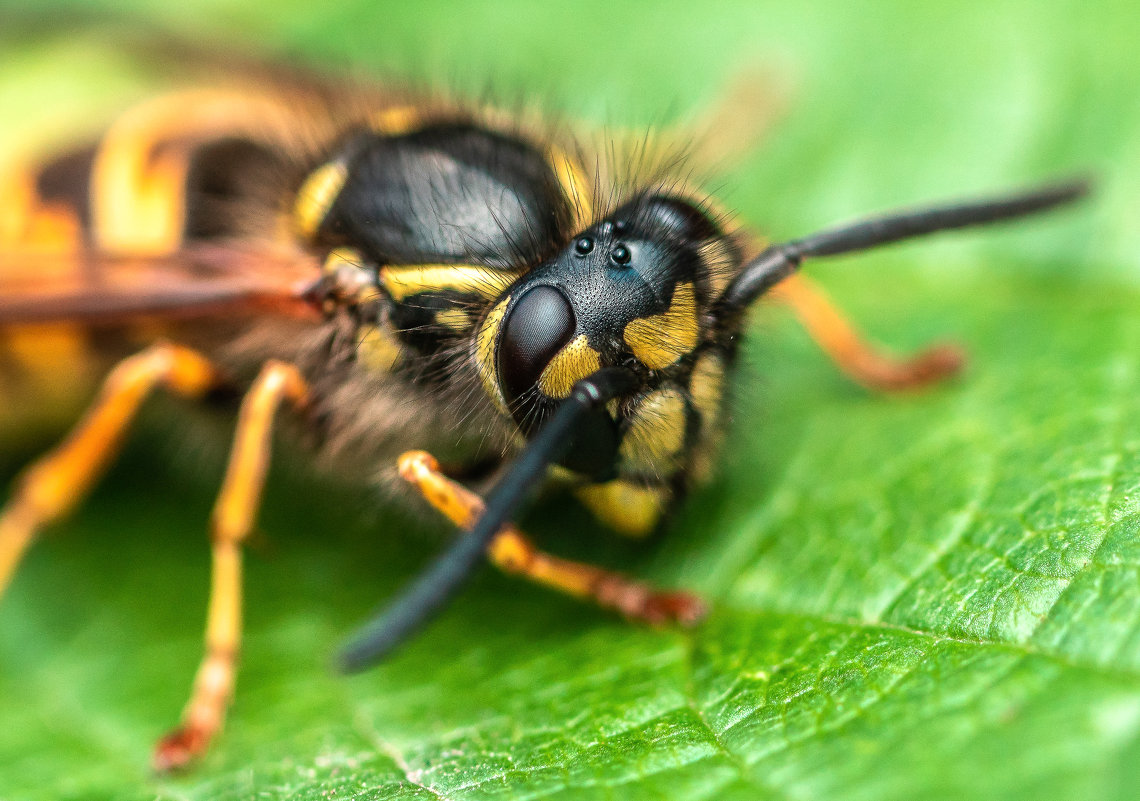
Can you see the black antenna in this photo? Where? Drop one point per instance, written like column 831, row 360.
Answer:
column 423, row 598
column 777, row 262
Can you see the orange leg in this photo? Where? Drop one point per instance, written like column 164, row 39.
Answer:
column 55, row 484
column 853, row 354
column 737, row 120
column 514, row 553
column 231, row 523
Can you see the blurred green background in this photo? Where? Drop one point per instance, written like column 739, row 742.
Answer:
column 934, row 596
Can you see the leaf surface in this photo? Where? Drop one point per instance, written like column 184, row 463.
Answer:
column 928, row 596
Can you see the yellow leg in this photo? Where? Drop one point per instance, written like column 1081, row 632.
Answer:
column 514, row 553
column 231, row 523
column 55, row 484
column 862, row 361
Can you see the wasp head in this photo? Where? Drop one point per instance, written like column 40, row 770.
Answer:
column 630, row 291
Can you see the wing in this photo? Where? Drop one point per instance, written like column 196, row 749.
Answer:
column 198, row 281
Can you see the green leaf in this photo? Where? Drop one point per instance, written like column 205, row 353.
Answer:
column 927, row 596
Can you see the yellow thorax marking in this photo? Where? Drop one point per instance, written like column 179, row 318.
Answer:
column 341, row 259
column 573, row 181
column 316, row 196
column 570, row 365
column 351, row 280
column 468, row 279
column 455, row 319
column 662, row 339
column 377, row 348
column 485, row 353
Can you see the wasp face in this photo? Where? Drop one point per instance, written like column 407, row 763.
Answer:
column 626, row 291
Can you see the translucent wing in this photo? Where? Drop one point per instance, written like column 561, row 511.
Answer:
column 198, row 281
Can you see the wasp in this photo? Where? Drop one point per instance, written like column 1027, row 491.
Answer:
column 483, row 301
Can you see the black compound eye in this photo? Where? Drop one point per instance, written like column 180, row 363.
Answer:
column 583, row 245
column 680, row 218
column 540, row 325
column 621, row 255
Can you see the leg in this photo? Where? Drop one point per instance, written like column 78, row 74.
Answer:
column 230, row 524
column 53, row 486
column 514, row 553
column 738, row 119
column 854, row 355
column 729, row 128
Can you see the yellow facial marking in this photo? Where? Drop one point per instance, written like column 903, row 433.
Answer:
column 396, row 120
column 706, row 387
column 468, row 279
column 316, row 196
column 570, row 365
column 485, row 352
column 662, row 339
column 455, row 319
column 627, row 508
column 573, row 181
column 655, row 439
column 377, row 348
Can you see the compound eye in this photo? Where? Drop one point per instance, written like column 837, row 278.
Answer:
column 680, row 218
column 540, row 324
